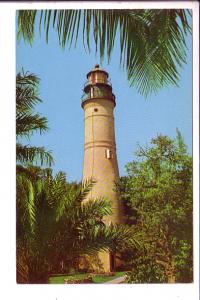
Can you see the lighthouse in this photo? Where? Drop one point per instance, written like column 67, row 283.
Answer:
column 100, row 158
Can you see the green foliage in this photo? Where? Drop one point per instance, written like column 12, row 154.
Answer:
column 55, row 226
column 158, row 196
column 28, row 122
column 146, row 270
column 152, row 42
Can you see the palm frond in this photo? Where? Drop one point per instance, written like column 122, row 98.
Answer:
column 84, row 190
column 124, row 237
column 110, row 237
column 63, row 196
column 20, row 170
column 70, row 201
column 31, row 206
column 152, row 42
column 27, row 124
column 26, row 209
column 96, row 208
column 26, row 91
column 26, row 98
column 26, row 25
column 27, row 78
column 25, row 154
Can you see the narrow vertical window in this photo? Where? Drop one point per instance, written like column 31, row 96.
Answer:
column 91, row 92
column 108, row 154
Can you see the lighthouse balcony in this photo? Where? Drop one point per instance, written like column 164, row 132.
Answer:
column 98, row 82
column 88, row 96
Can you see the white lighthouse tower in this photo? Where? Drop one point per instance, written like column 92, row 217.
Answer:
column 100, row 159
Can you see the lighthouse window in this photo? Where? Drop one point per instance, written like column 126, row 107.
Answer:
column 96, row 109
column 108, row 154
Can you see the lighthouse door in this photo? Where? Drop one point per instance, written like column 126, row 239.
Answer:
column 112, row 262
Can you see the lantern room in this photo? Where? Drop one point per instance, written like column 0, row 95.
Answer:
column 97, row 86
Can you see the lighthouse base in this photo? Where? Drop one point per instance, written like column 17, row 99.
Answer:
column 103, row 262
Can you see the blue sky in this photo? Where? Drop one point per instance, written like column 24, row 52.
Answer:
column 137, row 120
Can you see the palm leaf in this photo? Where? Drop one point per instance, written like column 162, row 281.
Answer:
column 27, row 153
column 152, row 42
column 31, row 206
column 26, row 216
column 84, row 190
column 26, row 91
column 27, row 123
column 96, row 208
column 26, row 25
column 111, row 237
column 63, row 196
column 70, row 200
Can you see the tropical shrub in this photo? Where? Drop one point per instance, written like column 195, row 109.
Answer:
column 158, row 197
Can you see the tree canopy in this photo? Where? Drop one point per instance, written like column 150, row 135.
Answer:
column 158, row 197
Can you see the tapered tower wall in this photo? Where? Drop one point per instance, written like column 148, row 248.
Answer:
column 100, row 158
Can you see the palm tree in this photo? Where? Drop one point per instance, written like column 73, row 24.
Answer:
column 28, row 122
column 54, row 226
column 152, row 42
